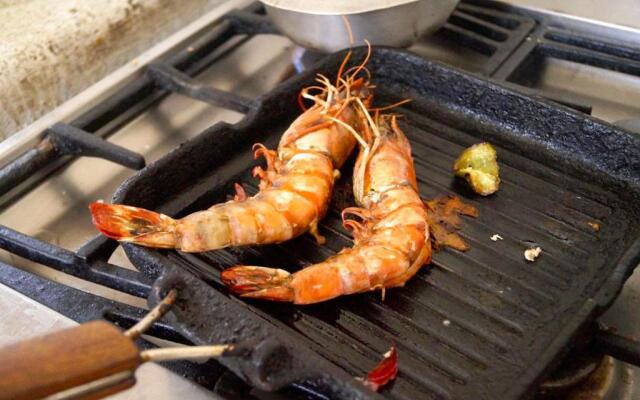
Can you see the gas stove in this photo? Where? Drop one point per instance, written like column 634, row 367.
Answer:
column 154, row 104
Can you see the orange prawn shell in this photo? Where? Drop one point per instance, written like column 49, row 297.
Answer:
column 391, row 164
column 329, row 139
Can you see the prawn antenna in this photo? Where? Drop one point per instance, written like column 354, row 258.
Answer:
column 364, row 62
column 347, row 25
column 390, row 106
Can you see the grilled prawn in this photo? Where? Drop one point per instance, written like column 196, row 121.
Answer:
column 391, row 235
column 294, row 191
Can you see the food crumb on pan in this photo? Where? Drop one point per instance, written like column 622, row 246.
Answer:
column 446, row 322
column 594, row 225
column 532, row 254
column 496, row 237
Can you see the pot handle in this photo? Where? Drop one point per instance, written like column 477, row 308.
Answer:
column 89, row 361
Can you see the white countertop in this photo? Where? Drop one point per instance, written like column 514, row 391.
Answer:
column 51, row 50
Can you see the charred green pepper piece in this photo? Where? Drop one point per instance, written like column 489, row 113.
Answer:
column 479, row 166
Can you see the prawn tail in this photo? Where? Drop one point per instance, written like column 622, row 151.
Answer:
column 259, row 282
column 136, row 225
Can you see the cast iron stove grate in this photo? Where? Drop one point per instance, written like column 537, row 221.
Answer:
column 481, row 324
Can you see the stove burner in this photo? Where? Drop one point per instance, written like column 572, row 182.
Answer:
column 576, row 368
column 590, row 377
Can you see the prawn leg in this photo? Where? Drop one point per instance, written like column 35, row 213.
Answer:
column 269, row 175
column 313, row 230
column 240, row 195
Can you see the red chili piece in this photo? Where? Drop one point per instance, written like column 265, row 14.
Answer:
column 384, row 372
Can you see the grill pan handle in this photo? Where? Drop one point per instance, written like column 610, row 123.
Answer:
column 92, row 360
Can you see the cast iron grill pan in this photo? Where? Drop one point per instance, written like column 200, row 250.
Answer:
column 483, row 324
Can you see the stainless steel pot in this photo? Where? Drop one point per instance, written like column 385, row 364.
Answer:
column 319, row 24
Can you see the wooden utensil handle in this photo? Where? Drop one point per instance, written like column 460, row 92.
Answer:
column 96, row 354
